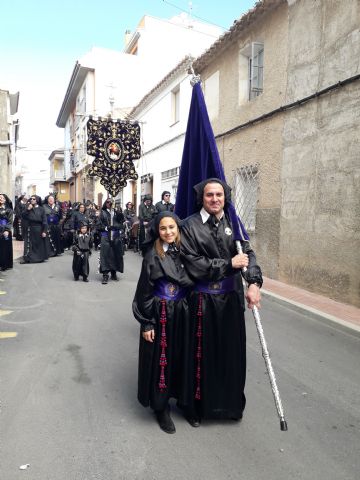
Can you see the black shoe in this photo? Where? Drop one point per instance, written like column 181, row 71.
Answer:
column 23, row 262
column 114, row 277
column 193, row 420
column 85, row 279
column 105, row 279
column 76, row 279
column 237, row 419
column 165, row 422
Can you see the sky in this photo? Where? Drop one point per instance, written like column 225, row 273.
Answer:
column 41, row 40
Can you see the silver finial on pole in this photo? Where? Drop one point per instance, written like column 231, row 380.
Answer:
column 195, row 78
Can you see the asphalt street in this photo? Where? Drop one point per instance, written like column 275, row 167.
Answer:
column 68, row 378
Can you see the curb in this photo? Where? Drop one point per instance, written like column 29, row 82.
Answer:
column 313, row 312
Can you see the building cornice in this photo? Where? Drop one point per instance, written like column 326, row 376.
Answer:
column 261, row 8
column 77, row 79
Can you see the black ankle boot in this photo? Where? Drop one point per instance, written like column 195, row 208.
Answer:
column 164, row 421
column 114, row 276
column 105, row 279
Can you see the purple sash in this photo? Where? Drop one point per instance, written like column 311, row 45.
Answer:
column 3, row 221
column 115, row 234
column 53, row 219
column 169, row 291
column 225, row 285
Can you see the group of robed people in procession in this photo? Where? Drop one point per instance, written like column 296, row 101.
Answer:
column 49, row 227
column 189, row 298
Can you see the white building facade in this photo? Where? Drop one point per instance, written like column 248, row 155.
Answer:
column 106, row 82
column 163, row 114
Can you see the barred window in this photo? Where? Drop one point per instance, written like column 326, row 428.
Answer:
column 245, row 185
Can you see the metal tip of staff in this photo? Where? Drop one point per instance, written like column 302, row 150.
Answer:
column 283, row 425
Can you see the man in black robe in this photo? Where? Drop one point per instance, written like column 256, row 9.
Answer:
column 54, row 216
column 146, row 213
column 217, row 304
column 111, row 225
column 35, row 250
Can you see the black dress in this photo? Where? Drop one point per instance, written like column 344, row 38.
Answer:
column 110, row 225
column 218, row 336
column 6, row 248
column 35, row 248
column 82, row 250
column 54, row 241
column 157, row 382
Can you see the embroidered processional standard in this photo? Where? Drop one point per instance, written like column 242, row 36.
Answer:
column 115, row 145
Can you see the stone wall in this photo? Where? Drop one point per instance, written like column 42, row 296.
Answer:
column 320, row 176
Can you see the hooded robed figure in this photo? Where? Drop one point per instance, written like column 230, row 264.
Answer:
column 54, row 215
column 110, row 224
column 160, row 305
column 35, row 246
column 6, row 220
column 218, row 337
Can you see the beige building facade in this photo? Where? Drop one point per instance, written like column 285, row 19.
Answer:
column 287, row 133
column 9, row 130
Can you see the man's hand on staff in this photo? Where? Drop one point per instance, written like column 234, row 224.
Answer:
column 149, row 336
column 240, row 260
column 253, row 296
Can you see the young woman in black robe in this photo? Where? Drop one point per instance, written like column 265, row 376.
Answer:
column 35, row 249
column 54, row 216
column 82, row 250
column 6, row 247
column 160, row 306
column 110, row 224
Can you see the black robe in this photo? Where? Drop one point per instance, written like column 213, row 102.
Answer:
column 207, row 251
column 82, row 251
column 35, row 247
column 18, row 221
column 6, row 247
column 111, row 248
column 54, row 241
column 147, row 310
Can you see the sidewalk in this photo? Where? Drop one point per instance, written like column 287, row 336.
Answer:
column 318, row 306
column 294, row 297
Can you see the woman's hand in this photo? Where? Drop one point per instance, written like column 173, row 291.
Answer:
column 149, row 335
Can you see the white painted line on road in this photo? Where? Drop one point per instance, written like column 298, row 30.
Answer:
column 8, row 335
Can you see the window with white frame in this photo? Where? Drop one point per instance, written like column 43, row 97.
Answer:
column 175, row 105
column 211, row 94
column 256, row 69
column 246, row 184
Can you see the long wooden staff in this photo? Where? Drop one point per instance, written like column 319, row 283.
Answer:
column 266, row 356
